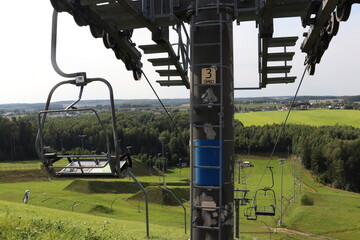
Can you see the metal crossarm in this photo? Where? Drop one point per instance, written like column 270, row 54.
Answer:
column 281, row 57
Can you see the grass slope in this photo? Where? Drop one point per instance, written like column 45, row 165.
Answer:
column 309, row 117
column 19, row 221
column 87, row 186
column 160, row 196
column 335, row 213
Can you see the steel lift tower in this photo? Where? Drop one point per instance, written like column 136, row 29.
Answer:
column 203, row 61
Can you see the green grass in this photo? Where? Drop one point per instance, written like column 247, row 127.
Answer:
column 20, row 165
column 19, row 221
column 121, row 215
column 309, row 117
column 334, row 213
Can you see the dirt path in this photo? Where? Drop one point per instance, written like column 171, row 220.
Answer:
column 294, row 232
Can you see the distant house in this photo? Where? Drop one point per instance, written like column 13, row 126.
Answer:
column 246, row 164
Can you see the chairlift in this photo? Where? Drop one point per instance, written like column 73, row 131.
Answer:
column 82, row 165
column 265, row 202
column 250, row 213
column 265, row 199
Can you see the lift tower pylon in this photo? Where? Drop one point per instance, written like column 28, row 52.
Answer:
column 212, row 112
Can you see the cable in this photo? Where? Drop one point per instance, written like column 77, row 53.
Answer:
column 282, row 127
column 171, row 119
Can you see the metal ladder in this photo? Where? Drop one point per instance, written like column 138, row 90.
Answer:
column 177, row 63
column 195, row 125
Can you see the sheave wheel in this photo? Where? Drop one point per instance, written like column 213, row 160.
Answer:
column 137, row 74
column 343, row 11
column 96, row 32
column 311, row 68
column 108, row 41
column 333, row 25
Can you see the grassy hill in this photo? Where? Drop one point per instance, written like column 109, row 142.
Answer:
column 334, row 213
column 19, row 221
column 83, row 212
column 309, row 117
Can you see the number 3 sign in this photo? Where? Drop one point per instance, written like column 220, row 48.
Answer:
column 208, row 75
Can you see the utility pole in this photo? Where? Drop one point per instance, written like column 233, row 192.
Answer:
column 163, row 158
column 212, row 115
column 300, row 169
column 281, row 191
column 239, row 163
column 180, row 168
column 294, row 174
column 150, row 164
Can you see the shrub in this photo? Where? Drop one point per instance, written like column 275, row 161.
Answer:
column 306, row 200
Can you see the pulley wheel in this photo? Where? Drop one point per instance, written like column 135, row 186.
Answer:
column 333, row 25
column 96, row 31
column 343, row 11
column 311, row 68
column 108, row 41
column 137, row 74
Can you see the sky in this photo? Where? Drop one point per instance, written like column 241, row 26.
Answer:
column 27, row 75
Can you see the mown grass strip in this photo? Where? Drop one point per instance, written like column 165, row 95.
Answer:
column 308, row 117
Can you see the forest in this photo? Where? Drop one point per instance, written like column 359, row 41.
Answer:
column 332, row 153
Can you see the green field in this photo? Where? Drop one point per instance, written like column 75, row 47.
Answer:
column 20, row 165
column 308, row 117
column 64, row 209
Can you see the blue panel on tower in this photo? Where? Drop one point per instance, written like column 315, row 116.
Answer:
column 207, row 154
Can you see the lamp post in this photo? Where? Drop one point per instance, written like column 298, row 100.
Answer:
column 281, row 189
column 239, row 163
column 180, row 169
column 162, row 154
column 158, row 155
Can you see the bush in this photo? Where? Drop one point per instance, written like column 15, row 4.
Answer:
column 306, row 200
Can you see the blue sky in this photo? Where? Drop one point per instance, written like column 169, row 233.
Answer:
column 27, row 75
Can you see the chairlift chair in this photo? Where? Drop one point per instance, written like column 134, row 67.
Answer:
column 265, row 199
column 81, row 165
column 265, row 202
column 250, row 213
column 84, row 165
column 92, row 165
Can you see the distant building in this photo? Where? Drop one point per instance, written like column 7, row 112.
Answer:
column 246, row 164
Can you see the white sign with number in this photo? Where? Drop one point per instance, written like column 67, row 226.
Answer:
column 208, row 75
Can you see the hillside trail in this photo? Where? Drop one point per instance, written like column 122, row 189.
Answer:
column 294, row 232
